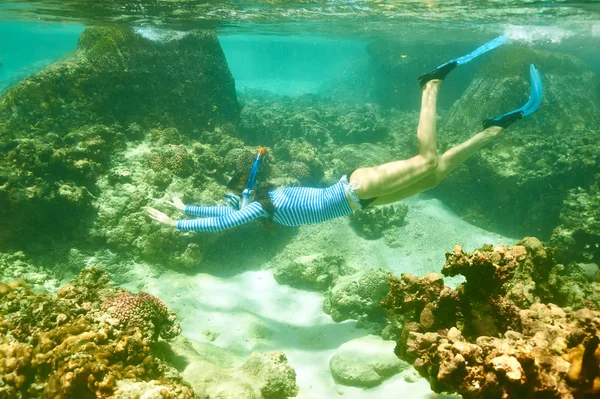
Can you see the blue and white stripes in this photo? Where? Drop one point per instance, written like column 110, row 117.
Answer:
column 220, row 223
column 294, row 206
column 208, row 211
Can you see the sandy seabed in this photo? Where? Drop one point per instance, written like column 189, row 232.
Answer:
column 249, row 311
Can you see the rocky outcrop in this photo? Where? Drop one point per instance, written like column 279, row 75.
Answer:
column 516, row 185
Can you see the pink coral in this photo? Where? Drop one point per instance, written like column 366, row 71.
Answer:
column 144, row 311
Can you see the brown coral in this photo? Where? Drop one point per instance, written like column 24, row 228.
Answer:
column 491, row 337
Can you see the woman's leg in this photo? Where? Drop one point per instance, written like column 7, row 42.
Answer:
column 394, row 176
column 447, row 162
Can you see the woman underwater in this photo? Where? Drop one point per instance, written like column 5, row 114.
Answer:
column 370, row 186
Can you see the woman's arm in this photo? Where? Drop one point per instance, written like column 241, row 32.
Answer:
column 202, row 211
column 208, row 211
column 220, row 223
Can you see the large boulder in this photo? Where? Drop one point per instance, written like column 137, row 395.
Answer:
column 517, row 184
column 358, row 296
column 366, row 362
column 119, row 76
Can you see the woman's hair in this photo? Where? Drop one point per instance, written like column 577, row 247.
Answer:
column 237, row 184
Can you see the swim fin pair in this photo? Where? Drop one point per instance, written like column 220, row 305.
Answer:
column 535, row 98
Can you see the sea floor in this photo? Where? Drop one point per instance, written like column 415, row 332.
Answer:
column 249, row 311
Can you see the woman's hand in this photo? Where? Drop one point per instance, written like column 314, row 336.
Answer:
column 161, row 217
column 175, row 201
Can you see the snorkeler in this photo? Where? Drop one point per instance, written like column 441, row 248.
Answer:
column 370, row 186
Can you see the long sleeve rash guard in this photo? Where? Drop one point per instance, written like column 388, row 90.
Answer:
column 294, row 206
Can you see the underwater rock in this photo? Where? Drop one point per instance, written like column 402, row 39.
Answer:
column 502, row 332
column 116, row 76
column 365, row 362
column 62, row 346
column 517, row 184
column 358, row 296
column 313, row 272
column 570, row 102
column 270, row 374
column 373, row 223
column 128, row 389
column 17, row 266
column 578, row 235
column 320, row 122
column 216, row 373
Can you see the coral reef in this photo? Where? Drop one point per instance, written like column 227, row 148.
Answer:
column 93, row 138
column 49, row 182
column 517, row 184
column 358, row 296
column 66, row 346
column 17, row 266
column 301, row 151
column 374, row 223
column 520, row 326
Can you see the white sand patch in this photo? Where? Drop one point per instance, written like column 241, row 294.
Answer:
column 251, row 312
column 430, row 231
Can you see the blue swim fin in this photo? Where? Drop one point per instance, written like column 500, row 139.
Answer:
column 532, row 104
column 444, row 69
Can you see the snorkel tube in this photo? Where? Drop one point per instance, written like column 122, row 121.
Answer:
column 252, row 178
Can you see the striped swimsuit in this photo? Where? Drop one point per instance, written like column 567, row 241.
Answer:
column 294, row 206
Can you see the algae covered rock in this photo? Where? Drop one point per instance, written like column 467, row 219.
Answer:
column 315, row 272
column 358, row 296
column 321, row 123
column 365, row 362
column 578, row 235
column 517, row 184
column 119, row 76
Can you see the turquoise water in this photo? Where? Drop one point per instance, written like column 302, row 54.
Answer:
column 110, row 108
